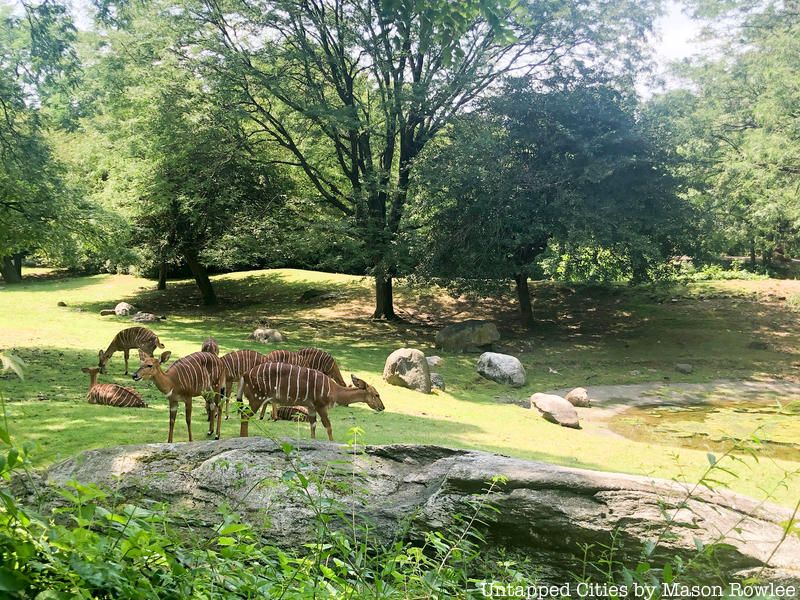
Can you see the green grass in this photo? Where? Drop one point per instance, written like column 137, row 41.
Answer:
column 585, row 335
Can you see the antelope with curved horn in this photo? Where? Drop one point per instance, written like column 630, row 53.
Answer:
column 111, row 394
column 290, row 385
column 192, row 375
column 127, row 339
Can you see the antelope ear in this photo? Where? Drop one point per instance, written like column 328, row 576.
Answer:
column 165, row 356
column 359, row 383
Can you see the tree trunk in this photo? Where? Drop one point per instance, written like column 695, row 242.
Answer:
column 752, row 254
column 17, row 258
column 9, row 270
column 162, row 276
column 203, row 282
column 524, row 297
column 384, row 301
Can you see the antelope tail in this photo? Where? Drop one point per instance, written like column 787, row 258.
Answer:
column 158, row 341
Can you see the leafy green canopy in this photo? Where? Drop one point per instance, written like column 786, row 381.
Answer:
column 350, row 91
column 736, row 126
column 570, row 168
column 36, row 65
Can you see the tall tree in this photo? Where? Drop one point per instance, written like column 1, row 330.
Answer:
column 533, row 168
column 353, row 90
column 36, row 64
column 735, row 124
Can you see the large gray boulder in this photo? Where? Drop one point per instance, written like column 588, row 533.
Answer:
column 123, row 309
column 545, row 512
column 556, row 410
column 502, row 368
column 408, row 368
column 468, row 336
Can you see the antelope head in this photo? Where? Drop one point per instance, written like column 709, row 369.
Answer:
column 373, row 398
column 150, row 365
column 101, row 364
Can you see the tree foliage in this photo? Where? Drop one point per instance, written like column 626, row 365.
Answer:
column 563, row 170
column 736, row 126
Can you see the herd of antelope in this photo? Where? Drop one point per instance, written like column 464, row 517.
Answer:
column 305, row 383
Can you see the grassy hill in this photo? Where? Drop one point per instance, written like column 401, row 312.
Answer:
column 585, row 335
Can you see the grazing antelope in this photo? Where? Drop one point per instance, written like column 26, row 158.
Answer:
column 186, row 378
column 236, row 365
column 210, row 345
column 111, row 394
column 313, row 358
column 127, row 339
column 290, row 385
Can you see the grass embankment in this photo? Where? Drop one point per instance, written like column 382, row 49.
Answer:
column 585, row 336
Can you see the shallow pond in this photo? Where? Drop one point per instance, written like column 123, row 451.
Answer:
column 713, row 424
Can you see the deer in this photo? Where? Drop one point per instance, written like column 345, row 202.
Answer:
column 238, row 363
column 192, row 375
column 312, row 358
column 127, row 339
column 210, row 345
column 111, row 394
column 285, row 384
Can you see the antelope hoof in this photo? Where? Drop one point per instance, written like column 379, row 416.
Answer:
column 216, row 437
column 210, row 433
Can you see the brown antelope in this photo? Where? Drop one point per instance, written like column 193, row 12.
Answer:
column 186, row 378
column 111, row 394
column 127, row 339
column 210, row 345
column 292, row 413
column 290, row 385
column 313, row 358
column 236, row 365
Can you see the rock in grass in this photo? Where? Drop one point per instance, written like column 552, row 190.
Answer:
column 469, row 336
column 578, row 397
column 61, row 303
column 684, row 368
column 268, row 336
column 556, row 410
column 123, row 309
column 502, row 368
column 434, row 361
column 143, row 317
column 437, row 381
column 408, row 368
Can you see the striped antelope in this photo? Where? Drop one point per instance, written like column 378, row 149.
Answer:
column 313, row 358
column 293, row 413
column 111, row 394
column 236, row 365
column 186, row 378
column 127, row 339
column 290, row 385
column 210, row 345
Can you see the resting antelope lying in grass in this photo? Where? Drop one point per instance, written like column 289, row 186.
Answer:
column 186, row 378
column 111, row 394
column 127, row 339
column 290, row 385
